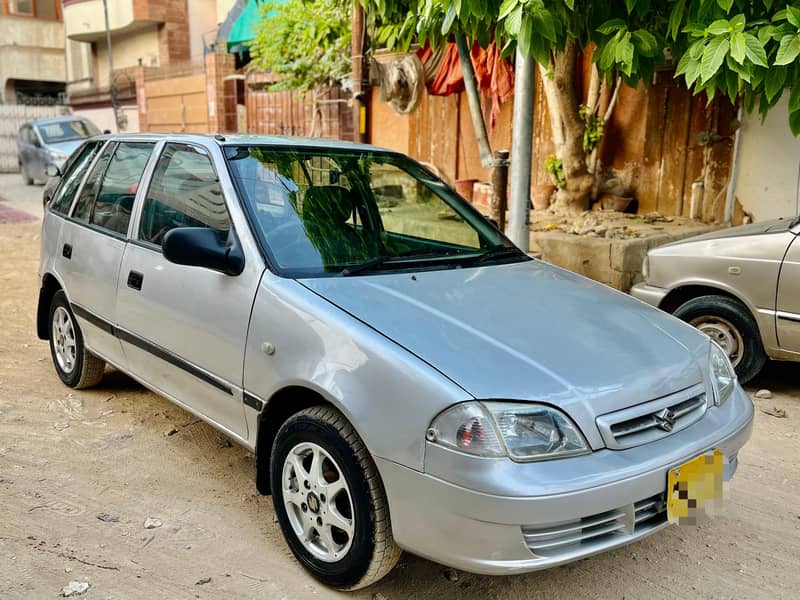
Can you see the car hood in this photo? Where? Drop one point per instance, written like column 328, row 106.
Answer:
column 771, row 226
column 66, row 147
column 528, row 331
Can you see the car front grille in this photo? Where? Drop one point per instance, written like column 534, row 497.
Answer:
column 654, row 420
column 596, row 531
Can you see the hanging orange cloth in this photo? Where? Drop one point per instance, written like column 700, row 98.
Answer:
column 494, row 76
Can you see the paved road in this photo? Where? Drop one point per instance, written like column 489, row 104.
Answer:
column 15, row 194
column 69, row 457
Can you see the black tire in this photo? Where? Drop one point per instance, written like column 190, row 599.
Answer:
column 25, row 178
column 734, row 312
column 372, row 552
column 87, row 369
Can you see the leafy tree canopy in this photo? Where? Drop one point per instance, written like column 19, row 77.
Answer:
column 306, row 42
column 742, row 48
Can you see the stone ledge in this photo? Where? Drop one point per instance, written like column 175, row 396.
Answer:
column 615, row 262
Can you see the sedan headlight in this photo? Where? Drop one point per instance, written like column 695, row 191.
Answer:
column 646, row 267
column 723, row 376
column 521, row 431
column 58, row 156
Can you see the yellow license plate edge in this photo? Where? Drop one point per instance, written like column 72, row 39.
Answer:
column 692, row 485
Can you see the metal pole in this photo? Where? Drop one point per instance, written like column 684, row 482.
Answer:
column 499, row 188
column 730, row 198
column 357, row 59
column 521, row 147
column 474, row 101
column 111, row 84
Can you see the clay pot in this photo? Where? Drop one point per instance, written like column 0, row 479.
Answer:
column 541, row 195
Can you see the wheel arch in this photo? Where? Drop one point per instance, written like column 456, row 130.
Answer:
column 50, row 285
column 685, row 292
column 284, row 403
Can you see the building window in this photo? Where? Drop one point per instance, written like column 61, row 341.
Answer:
column 42, row 9
column 20, row 7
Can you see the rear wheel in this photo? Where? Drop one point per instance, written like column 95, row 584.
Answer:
column 330, row 502
column 75, row 365
column 729, row 323
column 25, row 177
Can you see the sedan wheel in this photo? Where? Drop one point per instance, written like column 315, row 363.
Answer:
column 330, row 501
column 318, row 502
column 729, row 323
column 75, row 365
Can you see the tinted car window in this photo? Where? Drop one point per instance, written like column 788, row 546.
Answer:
column 83, row 208
column 65, row 193
column 114, row 203
column 66, row 131
column 184, row 192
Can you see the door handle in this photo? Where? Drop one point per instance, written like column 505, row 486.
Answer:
column 66, row 251
column 135, row 280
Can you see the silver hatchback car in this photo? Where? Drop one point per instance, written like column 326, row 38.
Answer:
column 49, row 143
column 406, row 378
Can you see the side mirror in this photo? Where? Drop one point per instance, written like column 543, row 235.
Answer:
column 203, row 247
column 52, row 171
column 106, row 131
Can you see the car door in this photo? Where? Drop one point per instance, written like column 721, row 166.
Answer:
column 93, row 241
column 183, row 328
column 788, row 300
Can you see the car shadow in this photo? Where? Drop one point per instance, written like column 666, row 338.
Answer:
column 778, row 377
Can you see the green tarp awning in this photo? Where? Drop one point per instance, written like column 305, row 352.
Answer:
column 243, row 30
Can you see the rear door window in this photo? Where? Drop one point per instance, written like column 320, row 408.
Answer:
column 85, row 203
column 71, row 179
column 114, row 203
column 184, row 192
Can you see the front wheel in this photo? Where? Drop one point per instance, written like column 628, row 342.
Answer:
column 729, row 323
column 76, row 366
column 330, row 502
column 27, row 180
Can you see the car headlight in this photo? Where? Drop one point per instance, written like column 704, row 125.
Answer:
column 723, row 376
column 521, row 431
column 646, row 267
column 58, row 156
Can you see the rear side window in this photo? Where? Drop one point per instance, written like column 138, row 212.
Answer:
column 83, row 208
column 71, row 179
column 184, row 192
column 114, row 202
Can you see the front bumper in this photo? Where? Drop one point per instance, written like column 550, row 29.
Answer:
column 649, row 293
column 492, row 534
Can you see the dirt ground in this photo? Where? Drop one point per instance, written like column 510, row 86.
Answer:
column 81, row 471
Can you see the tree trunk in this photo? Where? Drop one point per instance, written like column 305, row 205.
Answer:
column 564, row 108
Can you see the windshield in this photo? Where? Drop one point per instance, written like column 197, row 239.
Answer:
column 329, row 212
column 66, row 131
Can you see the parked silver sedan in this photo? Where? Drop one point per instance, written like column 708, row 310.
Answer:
column 406, row 378
column 741, row 286
column 47, row 143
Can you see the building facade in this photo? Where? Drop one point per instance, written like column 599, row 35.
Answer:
column 31, row 52
column 148, row 33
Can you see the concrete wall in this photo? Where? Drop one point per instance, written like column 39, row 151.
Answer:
column 30, row 49
column 223, row 8
column 127, row 49
column 202, row 20
column 768, row 181
column 87, row 18
column 104, row 118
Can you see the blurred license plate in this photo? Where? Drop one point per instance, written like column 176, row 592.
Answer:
column 694, row 488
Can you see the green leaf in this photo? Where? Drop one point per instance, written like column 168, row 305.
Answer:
column 506, row 7
column 570, row 4
column 725, row 4
column 713, row 55
column 449, row 19
column 630, row 5
column 738, row 47
column 738, row 22
column 675, row 18
column 624, row 51
column 794, row 98
column 788, row 50
column 793, row 15
column 525, row 35
column 606, row 56
column 646, row 43
column 720, row 27
column 794, row 123
column 732, row 85
column 774, row 81
column 754, row 50
column 544, row 23
column 612, row 26
column 514, row 21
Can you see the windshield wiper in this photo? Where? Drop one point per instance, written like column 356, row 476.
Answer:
column 380, row 261
column 498, row 252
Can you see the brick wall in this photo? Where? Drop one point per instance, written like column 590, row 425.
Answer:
column 218, row 66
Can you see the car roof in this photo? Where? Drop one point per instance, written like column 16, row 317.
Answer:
column 56, row 120
column 249, row 140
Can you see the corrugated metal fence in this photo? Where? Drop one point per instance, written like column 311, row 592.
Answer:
column 12, row 116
